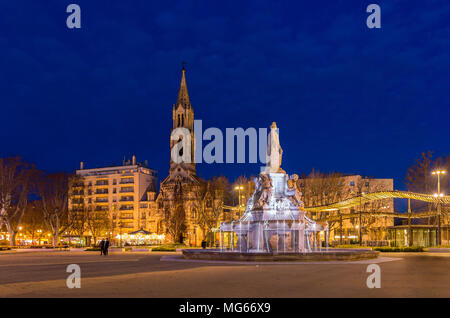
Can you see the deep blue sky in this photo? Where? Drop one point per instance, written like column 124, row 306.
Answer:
column 346, row 98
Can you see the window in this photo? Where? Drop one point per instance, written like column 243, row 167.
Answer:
column 126, row 180
column 126, row 216
column 126, row 189
column 126, row 207
column 127, row 198
column 101, row 191
column 352, row 183
column 101, row 182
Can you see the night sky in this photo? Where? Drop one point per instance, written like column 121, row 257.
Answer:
column 346, row 98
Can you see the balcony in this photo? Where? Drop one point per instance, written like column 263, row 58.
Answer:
column 102, row 183
column 126, row 207
column 127, row 181
column 101, row 200
column 126, row 216
column 126, row 199
column 127, row 190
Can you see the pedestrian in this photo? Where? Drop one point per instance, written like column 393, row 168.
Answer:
column 102, row 247
column 105, row 248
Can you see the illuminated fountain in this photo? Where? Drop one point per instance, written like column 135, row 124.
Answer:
column 274, row 220
column 274, row 225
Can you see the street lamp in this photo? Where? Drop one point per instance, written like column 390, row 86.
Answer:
column 437, row 195
column 239, row 188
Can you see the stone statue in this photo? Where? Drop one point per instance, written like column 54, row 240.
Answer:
column 293, row 193
column 274, row 151
column 263, row 191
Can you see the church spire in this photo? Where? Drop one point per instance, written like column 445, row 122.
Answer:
column 183, row 96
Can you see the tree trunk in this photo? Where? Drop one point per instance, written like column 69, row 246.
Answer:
column 12, row 233
column 55, row 239
column 12, row 237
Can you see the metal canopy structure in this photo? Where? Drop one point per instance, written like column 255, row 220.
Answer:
column 367, row 197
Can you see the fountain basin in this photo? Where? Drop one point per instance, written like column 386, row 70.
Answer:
column 324, row 255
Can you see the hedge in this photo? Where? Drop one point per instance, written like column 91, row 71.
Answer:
column 399, row 249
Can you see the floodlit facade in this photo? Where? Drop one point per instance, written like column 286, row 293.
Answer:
column 125, row 195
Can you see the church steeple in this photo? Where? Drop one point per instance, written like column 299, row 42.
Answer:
column 183, row 117
column 183, row 95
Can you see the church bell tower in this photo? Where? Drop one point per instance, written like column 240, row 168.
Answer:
column 183, row 117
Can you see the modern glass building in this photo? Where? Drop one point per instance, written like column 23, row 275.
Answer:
column 421, row 235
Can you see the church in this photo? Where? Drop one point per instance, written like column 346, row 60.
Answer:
column 189, row 207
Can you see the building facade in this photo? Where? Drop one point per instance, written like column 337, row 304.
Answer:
column 114, row 201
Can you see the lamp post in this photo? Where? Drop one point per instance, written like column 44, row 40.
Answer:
column 437, row 196
column 239, row 188
column 360, row 218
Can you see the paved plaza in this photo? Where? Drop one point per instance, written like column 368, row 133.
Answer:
column 142, row 274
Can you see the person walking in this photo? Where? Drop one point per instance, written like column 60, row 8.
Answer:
column 102, row 247
column 105, row 248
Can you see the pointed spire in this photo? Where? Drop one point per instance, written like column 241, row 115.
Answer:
column 183, row 96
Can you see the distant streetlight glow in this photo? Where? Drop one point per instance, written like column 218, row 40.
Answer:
column 239, row 188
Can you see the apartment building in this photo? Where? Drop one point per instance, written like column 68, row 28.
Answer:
column 126, row 194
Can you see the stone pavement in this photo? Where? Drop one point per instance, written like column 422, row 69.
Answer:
column 128, row 274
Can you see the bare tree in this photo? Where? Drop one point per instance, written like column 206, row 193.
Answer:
column 54, row 192
column 419, row 179
column 98, row 222
column 322, row 189
column 33, row 220
column 15, row 185
column 210, row 203
column 175, row 223
column 79, row 220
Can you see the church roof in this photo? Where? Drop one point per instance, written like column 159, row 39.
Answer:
column 183, row 95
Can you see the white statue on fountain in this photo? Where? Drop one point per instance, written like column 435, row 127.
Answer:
column 274, row 151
